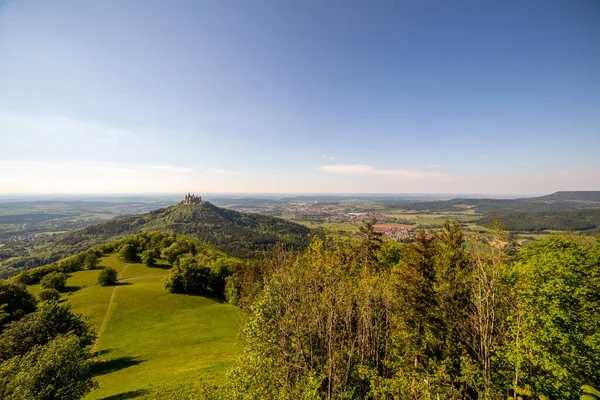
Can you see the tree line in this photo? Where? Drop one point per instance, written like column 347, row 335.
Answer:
column 439, row 318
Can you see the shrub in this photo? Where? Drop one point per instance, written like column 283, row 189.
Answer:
column 107, row 277
column 149, row 257
column 128, row 253
column 49, row 295
column 15, row 302
column 91, row 261
column 54, row 280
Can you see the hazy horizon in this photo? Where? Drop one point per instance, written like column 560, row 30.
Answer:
column 139, row 97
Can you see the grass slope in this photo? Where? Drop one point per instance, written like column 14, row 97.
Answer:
column 152, row 339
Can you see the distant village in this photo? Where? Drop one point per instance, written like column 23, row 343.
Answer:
column 325, row 213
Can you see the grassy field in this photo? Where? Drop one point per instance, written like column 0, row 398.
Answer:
column 151, row 339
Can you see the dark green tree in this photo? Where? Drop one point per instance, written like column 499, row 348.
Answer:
column 370, row 243
column 91, row 261
column 554, row 345
column 107, row 277
column 15, row 301
column 54, row 280
column 128, row 252
column 149, row 257
column 49, row 295
column 38, row 328
column 59, row 370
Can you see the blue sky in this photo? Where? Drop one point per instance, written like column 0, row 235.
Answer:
column 299, row 96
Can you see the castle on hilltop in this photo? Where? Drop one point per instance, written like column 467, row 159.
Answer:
column 191, row 199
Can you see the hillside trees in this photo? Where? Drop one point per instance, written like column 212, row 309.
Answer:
column 38, row 328
column 54, row 280
column 200, row 273
column 149, row 257
column 437, row 318
column 60, row 370
column 554, row 340
column 15, row 302
column 45, row 355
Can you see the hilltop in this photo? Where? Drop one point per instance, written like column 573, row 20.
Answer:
column 593, row 196
column 236, row 233
column 559, row 201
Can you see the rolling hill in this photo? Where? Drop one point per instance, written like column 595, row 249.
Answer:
column 559, row 201
column 236, row 233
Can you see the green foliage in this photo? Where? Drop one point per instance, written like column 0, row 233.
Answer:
column 128, row 252
column 438, row 318
column 554, row 344
column 149, row 257
column 15, row 302
column 91, row 261
column 49, row 295
column 38, row 328
column 107, row 277
column 59, row 370
column 54, row 280
column 67, row 265
column 587, row 220
column 242, row 235
column 200, row 274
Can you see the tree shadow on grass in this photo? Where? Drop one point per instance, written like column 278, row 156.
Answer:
column 160, row 266
column 102, row 352
column 117, row 364
column 211, row 296
column 121, row 283
column 127, row 395
column 70, row 289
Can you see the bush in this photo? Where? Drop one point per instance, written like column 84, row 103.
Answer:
column 54, row 280
column 15, row 302
column 107, row 277
column 49, row 295
column 91, row 261
column 128, row 253
column 149, row 257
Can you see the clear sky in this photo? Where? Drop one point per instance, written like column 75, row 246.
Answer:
column 403, row 96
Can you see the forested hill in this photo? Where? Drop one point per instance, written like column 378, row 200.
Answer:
column 559, row 201
column 233, row 232
column 236, row 233
column 584, row 220
column 593, row 196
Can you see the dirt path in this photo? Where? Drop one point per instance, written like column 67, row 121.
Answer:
column 112, row 297
column 110, row 302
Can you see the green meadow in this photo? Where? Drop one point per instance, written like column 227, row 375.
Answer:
column 150, row 339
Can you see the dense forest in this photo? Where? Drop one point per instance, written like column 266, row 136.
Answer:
column 586, row 220
column 559, row 201
column 439, row 318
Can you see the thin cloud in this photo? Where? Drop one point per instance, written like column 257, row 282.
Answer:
column 223, row 171
column 170, row 168
column 370, row 170
column 326, row 157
